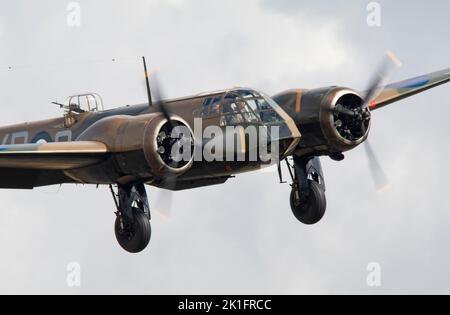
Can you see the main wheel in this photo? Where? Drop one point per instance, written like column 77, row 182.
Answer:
column 134, row 236
column 311, row 210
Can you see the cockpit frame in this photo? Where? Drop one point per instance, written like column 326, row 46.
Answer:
column 81, row 103
column 240, row 107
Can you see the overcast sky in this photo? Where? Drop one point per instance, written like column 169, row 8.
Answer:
column 239, row 238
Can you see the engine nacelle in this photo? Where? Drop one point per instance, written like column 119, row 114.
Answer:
column 145, row 147
column 324, row 129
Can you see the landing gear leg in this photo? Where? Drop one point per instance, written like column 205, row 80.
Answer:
column 132, row 226
column 308, row 200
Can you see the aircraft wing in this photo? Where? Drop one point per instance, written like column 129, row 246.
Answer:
column 400, row 90
column 52, row 156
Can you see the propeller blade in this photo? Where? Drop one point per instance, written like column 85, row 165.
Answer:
column 163, row 203
column 165, row 198
column 157, row 91
column 384, row 73
column 378, row 175
column 159, row 96
column 147, row 82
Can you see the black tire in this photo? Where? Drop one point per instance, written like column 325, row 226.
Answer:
column 313, row 209
column 135, row 236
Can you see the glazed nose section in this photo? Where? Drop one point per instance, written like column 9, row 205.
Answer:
column 285, row 133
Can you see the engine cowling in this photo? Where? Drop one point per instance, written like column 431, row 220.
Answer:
column 145, row 146
column 165, row 145
column 331, row 120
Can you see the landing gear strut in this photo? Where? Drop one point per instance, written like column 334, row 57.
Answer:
column 132, row 226
column 308, row 200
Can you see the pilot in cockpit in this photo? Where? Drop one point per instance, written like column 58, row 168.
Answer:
column 247, row 113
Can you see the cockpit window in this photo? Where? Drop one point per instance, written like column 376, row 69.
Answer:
column 205, row 106
column 251, row 107
column 241, row 106
column 215, row 106
column 231, row 114
column 267, row 112
column 84, row 103
column 211, row 106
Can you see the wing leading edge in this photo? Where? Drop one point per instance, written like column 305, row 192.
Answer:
column 52, row 156
column 400, row 90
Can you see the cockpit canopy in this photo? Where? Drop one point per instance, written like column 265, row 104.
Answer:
column 90, row 102
column 240, row 106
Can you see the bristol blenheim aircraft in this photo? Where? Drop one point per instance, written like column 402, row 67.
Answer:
column 133, row 146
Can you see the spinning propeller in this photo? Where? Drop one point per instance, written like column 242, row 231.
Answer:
column 359, row 117
column 381, row 78
column 165, row 197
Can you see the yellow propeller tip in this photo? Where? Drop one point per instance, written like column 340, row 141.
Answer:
column 394, row 58
column 163, row 216
column 385, row 189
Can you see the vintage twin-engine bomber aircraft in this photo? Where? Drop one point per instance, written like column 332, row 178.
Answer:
column 130, row 147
